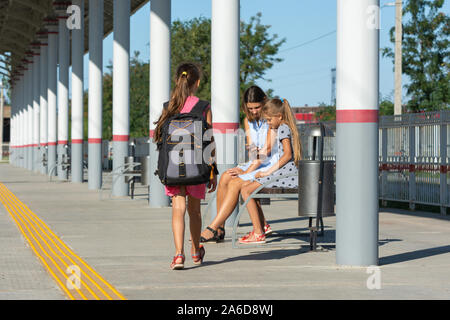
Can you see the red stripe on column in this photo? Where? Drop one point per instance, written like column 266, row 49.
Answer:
column 121, row 138
column 77, row 141
column 357, row 116
column 225, row 127
column 52, row 143
column 152, row 133
column 63, row 142
column 94, row 140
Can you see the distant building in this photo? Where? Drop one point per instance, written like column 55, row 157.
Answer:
column 306, row 114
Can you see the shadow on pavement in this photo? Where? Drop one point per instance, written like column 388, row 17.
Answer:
column 261, row 256
column 414, row 255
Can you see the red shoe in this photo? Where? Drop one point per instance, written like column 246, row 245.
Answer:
column 198, row 257
column 253, row 239
column 176, row 265
column 247, row 235
column 267, row 230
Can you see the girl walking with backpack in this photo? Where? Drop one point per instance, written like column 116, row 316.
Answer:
column 184, row 101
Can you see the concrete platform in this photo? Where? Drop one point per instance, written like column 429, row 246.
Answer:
column 131, row 246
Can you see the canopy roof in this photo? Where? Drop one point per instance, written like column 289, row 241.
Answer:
column 21, row 22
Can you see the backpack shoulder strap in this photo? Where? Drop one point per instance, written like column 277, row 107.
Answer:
column 200, row 107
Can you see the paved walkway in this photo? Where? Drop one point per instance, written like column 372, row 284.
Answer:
column 131, row 246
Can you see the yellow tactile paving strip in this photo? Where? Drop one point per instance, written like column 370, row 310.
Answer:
column 76, row 278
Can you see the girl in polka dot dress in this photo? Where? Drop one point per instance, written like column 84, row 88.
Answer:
column 280, row 118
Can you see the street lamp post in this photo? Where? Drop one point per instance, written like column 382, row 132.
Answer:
column 398, row 58
column 398, row 55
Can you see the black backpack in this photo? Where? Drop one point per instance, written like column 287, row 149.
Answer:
column 180, row 159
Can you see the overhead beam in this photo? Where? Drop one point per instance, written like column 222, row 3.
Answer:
column 35, row 23
column 15, row 39
column 32, row 5
column 6, row 75
column 6, row 69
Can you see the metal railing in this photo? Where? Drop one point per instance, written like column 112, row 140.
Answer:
column 414, row 157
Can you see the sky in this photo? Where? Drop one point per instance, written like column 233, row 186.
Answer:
column 304, row 76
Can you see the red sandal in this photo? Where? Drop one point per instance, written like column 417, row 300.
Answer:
column 198, row 257
column 254, row 238
column 177, row 266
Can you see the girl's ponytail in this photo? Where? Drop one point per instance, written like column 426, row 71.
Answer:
column 186, row 77
column 288, row 116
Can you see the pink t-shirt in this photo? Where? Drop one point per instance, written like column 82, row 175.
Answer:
column 197, row 191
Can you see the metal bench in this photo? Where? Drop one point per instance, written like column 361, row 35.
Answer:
column 127, row 172
column 266, row 193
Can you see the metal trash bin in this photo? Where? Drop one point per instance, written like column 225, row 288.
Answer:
column 145, row 170
column 308, row 189
column 316, row 183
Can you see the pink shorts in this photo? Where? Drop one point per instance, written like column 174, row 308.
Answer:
column 197, row 191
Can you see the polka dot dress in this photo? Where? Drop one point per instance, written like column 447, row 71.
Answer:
column 289, row 168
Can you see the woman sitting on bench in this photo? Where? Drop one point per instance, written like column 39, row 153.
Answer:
column 259, row 146
column 286, row 151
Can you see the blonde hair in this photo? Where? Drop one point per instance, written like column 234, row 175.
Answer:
column 274, row 107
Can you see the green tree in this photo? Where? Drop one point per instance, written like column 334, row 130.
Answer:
column 386, row 107
column 139, row 99
column 191, row 41
column 425, row 54
column 258, row 51
column 326, row 114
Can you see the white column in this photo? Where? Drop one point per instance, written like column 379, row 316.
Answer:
column 30, row 122
column 95, row 94
column 63, row 98
column 77, row 97
column 121, row 90
column 225, row 39
column 160, row 23
column 51, row 96
column 357, row 132
column 22, row 129
column 36, row 109
column 43, row 123
column 18, row 119
column 23, row 126
column 12, row 151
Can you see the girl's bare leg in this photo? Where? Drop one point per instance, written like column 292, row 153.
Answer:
column 221, row 191
column 252, row 207
column 195, row 222
column 222, row 188
column 178, row 211
column 260, row 212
